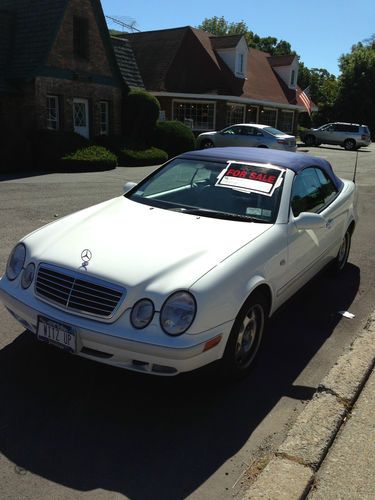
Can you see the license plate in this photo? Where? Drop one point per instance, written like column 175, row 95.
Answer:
column 56, row 333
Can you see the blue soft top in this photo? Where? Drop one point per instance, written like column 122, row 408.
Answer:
column 286, row 159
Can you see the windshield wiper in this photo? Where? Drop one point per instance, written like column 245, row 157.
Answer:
column 205, row 212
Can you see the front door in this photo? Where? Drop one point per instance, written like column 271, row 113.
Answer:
column 81, row 117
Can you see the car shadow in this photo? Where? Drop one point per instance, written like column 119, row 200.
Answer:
column 86, row 426
column 333, row 148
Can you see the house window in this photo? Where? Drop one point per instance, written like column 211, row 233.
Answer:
column 235, row 113
column 268, row 116
column 81, row 37
column 199, row 115
column 104, row 117
column 53, row 121
column 252, row 116
column 293, row 77
column 286, row 121
column 240, row 64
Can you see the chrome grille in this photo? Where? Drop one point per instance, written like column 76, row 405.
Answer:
column 78, row 293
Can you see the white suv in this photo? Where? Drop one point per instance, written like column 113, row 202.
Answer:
column 348, row 135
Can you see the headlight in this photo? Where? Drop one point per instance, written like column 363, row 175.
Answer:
column 178, row 313
column 16, row 261
column 28, row 275
column 142, row 313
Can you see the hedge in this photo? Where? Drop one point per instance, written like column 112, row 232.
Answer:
column 90, row 158
column 142, row 157
column 49, row 146
column 173, row 137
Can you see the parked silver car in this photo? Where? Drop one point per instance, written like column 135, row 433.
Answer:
column 248, row 134
column 348, row 135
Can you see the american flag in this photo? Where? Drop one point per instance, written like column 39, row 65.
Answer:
column 305, row 98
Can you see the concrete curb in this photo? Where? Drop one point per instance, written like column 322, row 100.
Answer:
column 290, row 473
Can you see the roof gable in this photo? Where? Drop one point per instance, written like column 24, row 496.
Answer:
column 36, row 23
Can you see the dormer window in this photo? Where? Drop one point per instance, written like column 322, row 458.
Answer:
column 81, row 37
column 240, row 64
column 293, row 78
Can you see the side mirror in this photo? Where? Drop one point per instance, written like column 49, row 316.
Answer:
column 307, row 220
column 128, row 186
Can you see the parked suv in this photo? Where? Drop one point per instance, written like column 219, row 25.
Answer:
column 348, row 135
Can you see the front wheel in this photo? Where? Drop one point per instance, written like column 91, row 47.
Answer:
column 245, row 337
column 309, row 140
column 207, row 143
column 350, row 144
column 342, row 257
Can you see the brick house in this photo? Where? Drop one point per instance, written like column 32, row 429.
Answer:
column 58, row 68
column 210, row 82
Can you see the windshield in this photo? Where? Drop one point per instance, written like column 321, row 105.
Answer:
column 273, row 131
column 232, row 190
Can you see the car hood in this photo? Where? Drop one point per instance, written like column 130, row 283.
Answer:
column 139, row 246
column 207, row 134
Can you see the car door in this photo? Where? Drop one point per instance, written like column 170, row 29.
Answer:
column 309, row 250
column 230, row 136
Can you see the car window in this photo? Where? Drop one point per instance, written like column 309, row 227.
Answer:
column 307, row 193
column 231, row 130
column 273, row 131
column 197, row 187
column 328, row 189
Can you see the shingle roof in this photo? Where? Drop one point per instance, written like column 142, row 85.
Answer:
column 225, row 42
column 281, row 60
column 126, row 62
column 154, row 52
column 185, row 60
column 36, row 25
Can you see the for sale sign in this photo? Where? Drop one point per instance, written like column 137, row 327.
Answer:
column 256, row 178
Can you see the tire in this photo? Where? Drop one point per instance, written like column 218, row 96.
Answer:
column 309, row 140
column 343, row 254
column 350, row 144
column 207, row 143
column 245, row 337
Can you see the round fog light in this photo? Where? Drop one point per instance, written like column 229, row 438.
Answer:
column 142, row 313
column 28, row 275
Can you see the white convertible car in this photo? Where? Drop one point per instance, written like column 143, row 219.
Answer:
column 185, row 268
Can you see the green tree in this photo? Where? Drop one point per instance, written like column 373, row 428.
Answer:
column 356, row 96
column 219, row 26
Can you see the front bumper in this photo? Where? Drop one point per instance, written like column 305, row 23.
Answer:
column 118, row 344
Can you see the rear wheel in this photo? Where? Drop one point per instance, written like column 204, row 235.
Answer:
column 309, row 140
column 342, row 256
column 245, row 337
column 207, row 143
column 349, row 144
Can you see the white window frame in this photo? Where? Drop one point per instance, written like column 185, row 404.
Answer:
column 252, row 106
column 104, row 125
column 193, row 103
column 243, row 106
column 291, row 112
column 51, row 120
column 276, row 116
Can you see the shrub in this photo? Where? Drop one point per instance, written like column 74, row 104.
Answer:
column 16, row 153
column 141, row 111
column 142, row 157
column 49, row 146
column 113, row 143
column 90, row 158
column 173, row 137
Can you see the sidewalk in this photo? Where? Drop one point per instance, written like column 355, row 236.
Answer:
column 330, row 451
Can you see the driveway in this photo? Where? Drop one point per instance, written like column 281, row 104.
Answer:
column 70, row 428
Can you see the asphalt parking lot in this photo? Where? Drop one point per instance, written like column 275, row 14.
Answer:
column 70, row 428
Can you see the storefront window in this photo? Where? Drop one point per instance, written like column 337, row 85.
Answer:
column 196, row 114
